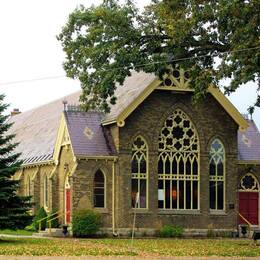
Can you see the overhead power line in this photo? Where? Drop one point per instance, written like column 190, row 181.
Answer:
column 31, row 80
column 138, row 65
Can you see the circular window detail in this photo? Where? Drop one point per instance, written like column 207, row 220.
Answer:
column 176, row 74
column 249, row 183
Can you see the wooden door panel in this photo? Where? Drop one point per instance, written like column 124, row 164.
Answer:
column 68, row 206
column 248, row 207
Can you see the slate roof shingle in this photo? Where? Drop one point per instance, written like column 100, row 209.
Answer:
column 249, row 143
column 36, row 130
column 87, row 135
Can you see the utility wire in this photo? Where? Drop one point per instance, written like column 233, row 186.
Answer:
column 138, row 65
column 31, row 80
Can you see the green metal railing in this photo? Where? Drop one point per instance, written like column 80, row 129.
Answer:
column 58, row 216
column 41, row 220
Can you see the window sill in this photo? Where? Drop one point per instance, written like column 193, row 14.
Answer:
column 178, row 212
column 140, row 211
column 102, row 210
column 218, row 213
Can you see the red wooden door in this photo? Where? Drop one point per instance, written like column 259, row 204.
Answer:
column 248, row 207
column 68, row 206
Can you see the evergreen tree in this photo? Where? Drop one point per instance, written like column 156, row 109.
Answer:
column 13, row 208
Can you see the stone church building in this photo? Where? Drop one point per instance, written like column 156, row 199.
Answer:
column 156, row 153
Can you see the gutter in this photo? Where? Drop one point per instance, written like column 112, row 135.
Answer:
column 249, row 162
column 33, row 164
column 109, row 157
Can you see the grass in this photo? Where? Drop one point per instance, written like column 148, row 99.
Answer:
column 142, row 247
column 16, row 232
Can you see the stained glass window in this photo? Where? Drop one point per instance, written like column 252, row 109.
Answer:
column 178, row 164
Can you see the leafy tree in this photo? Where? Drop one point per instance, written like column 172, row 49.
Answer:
column 213, row 39
column 13, row 208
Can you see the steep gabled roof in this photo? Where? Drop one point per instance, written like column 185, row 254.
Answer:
column 133, row 87
column 140, row 85
column 87, row 135
column 249, row 143
column 36, row 130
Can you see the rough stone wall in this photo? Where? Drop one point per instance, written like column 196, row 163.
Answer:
column 211, row 121
column 66, row 165
column 36, row 175
column 83, row 180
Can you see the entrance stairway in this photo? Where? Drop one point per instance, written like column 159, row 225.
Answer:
column 54, row 232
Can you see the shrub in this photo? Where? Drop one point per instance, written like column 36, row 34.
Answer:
column 85, row 223
column 166, row 231
column 41, row 213
column 54, row 223
column 171, row 231
column 177, row 231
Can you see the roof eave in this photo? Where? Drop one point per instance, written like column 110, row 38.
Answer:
column 249, row 162
column 97, row 157
column 40, row 163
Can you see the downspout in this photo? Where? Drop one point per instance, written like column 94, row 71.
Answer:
column 113, row 199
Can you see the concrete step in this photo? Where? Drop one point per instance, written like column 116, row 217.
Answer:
column 53, row 232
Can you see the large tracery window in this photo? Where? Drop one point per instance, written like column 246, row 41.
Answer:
column 178, row 164
column 217, row 176
column 139, row 165
column 99, row 190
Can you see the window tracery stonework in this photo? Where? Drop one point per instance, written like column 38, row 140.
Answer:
column 178, row 163
column 249, row 183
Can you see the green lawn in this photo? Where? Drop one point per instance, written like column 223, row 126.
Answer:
column 142, row 247
column 16, row 232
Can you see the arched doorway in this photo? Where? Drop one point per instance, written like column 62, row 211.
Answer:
column 249, row 199
column 67, row 200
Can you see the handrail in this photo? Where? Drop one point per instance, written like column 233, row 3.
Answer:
column 40, row 220
column 60, row 215
column 248, row 223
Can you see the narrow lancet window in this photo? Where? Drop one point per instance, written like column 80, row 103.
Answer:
column 217, row 176
column 99, row 190
column 139, row 166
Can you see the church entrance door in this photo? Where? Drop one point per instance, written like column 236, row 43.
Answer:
column 249, row 199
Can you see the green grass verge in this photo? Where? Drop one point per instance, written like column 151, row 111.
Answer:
column 16, row 232
column 142, row 247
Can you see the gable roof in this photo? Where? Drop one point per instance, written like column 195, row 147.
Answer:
column 140, row 85
column 126, row 94
column 87, row 135
column 36, row 130
column 249, row 143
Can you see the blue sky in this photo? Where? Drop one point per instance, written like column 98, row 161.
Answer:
column 29, row 50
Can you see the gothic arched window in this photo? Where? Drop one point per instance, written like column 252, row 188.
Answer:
column 28, row 186
column 139, row 165
column 99, row 190
column 46, row 191
column 217, row 176
column 178, row 164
